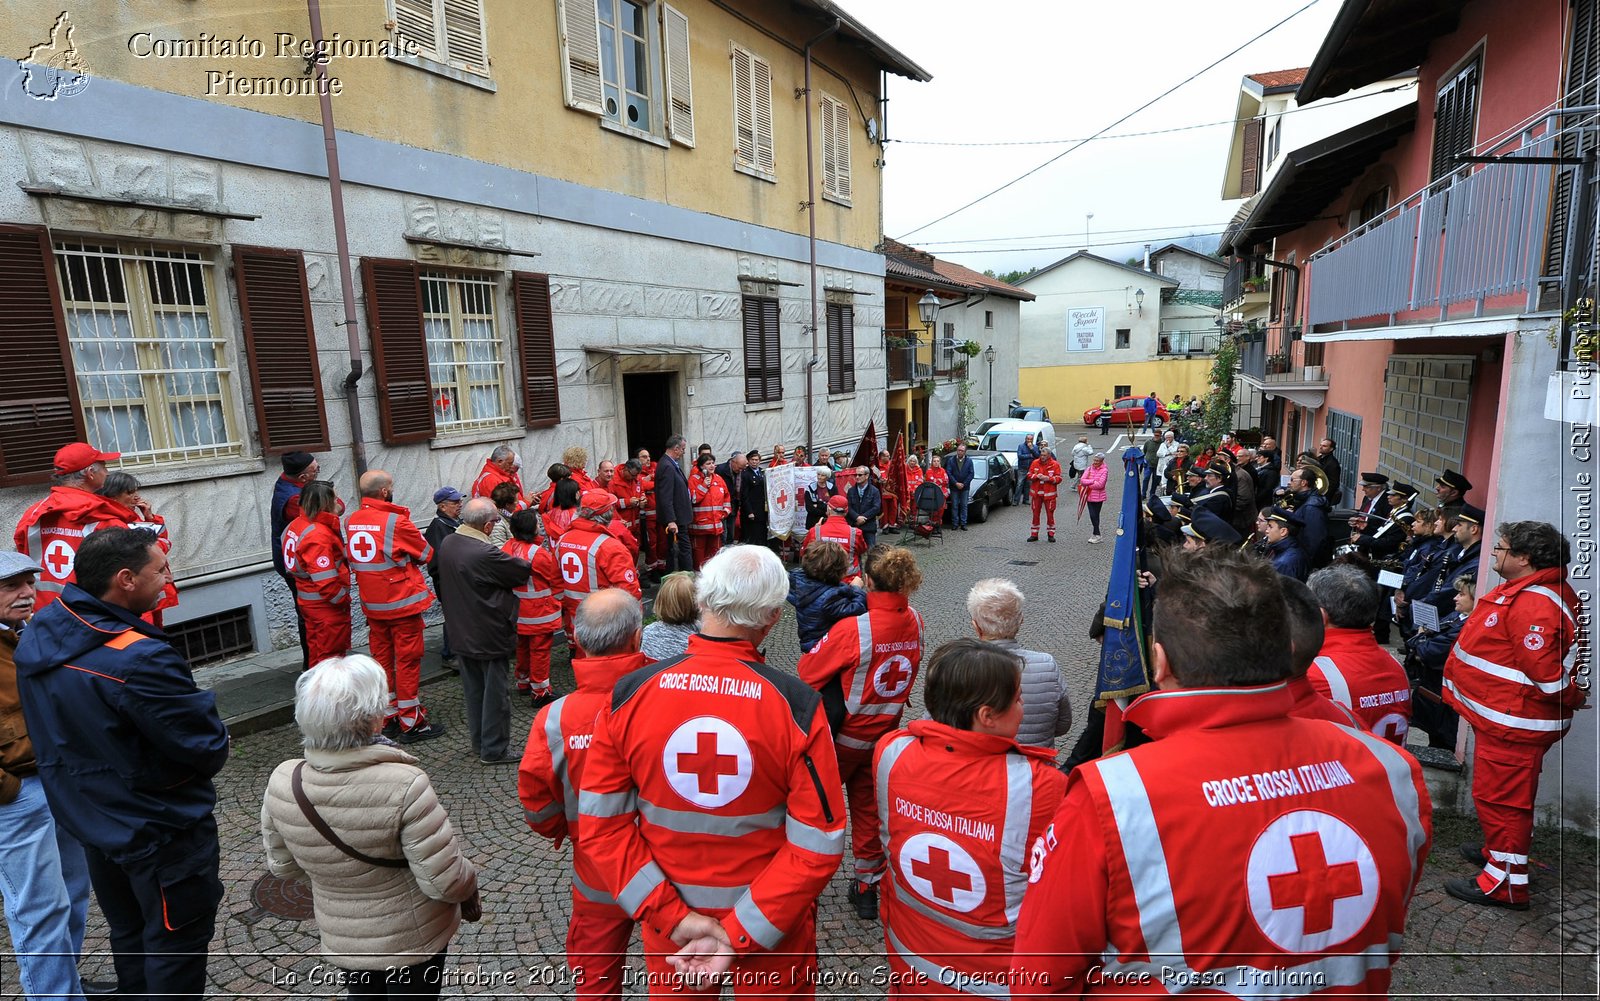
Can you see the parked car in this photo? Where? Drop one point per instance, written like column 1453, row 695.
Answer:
column 994, row 480
column 1029, row 413
column 976, row 435
column 1007, row 436
column 1126, row 411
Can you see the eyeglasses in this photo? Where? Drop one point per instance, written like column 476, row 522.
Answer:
column 1501, row 549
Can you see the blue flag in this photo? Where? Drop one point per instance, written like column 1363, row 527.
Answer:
column 1123, row 672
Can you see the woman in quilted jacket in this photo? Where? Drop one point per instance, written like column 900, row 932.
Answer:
column 1092, row 485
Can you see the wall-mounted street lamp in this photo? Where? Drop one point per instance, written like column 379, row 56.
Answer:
column 1138, row 297
column 988, row 356
column 928, row 308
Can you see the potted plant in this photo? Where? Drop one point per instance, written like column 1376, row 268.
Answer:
column 1277, row 363
column 895, row 343
column 1255, row 283
column 971, row 349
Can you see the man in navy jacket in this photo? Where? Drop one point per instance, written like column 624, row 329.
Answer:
column 127, row 747
column 959, row 468
column 865, row 503
column 673, row 511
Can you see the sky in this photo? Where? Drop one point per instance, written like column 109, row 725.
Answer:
column 1009, row 70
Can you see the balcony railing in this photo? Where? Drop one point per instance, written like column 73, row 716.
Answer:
column 1269, row 358
column 1243, row 279
column 1171, row 343
column 1474, row 237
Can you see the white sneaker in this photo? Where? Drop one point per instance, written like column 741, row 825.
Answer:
column 1093, row 539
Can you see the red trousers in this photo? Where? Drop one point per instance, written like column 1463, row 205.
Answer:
column 533, row 662
column 1505, row 782
column 597, row 946
column 891, row 509
column 860, row 790
column 705, row 546
column 1049, row 506
column 397, row 647
column 788, row 971
column 327, row 631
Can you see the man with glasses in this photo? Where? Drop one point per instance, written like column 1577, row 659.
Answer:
column 864, row 503
column 1514, row 674
column 961, row 472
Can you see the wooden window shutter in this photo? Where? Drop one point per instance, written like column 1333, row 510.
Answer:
column 399, row 350
column 281, row 344
column 39, row 410
column 680, row 85
column 466, row 39
column 763, row 366
column 580, row 55
column 536, row 345
column 847, row 328
column 841, row 140
column 1250, row 168
column 830, row 180
column 761, row 103
column 841, row 348
column 415, row 20
column 1582, row 88
column 744, row 128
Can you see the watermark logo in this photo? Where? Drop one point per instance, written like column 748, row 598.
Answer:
column 54, row 68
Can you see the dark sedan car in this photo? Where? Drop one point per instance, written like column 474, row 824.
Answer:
column 1126, row 411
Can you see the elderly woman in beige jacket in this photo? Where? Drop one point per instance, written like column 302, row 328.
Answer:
column 388, row 919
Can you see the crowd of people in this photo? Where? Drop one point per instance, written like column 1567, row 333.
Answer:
column 706, row 791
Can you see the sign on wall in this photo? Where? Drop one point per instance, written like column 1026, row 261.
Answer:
column 1086, row 329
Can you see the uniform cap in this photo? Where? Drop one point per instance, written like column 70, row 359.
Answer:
column 838, row 503
column 1405, row 490
column 1374, row 479
column 598, row 501
column 80, row 455
column 1471, row 514
column 1451, row 478
column 1208, row 526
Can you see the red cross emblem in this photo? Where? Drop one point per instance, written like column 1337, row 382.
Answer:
column 291, row 549
column 783, row 498
column 940, row 870
column 1312, row 881
column 363, row 547
column 707, row 761
column 58, row 558
column 893, row 677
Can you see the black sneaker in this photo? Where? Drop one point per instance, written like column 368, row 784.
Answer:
column 1034, row 537
column 1468, row 890
column 1472, row 851
column 391, row 729
column 865, row 898
column 417, row 734
column 541, row 700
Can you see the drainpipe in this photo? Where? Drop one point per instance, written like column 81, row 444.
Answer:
column 358, row 448
column 811, row 214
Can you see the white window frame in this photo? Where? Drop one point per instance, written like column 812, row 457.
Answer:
column 613, row 55
column 836, row 181
column 752, row 100
column 433, row 24
column 593, row 79
column 151, row 431
column 455, row 373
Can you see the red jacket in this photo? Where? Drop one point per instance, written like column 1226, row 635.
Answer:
column 552, row 763
column 51, row 531
column 538, row 601
column 1314, row 837
column 709, row 496
column 618, row 529
column 1511, row 673
column 388, row 555
column 937, row 474
column 1354, row 671
column 1043, row 477
column 314, row 555
column 631, row 501
column 1311, row 704
column 492, row 476
column 873, row 659
column 960, row 811
column 712, row 785
column 835, row 528
column 590, row 559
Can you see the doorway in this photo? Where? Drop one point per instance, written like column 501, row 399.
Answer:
column 648, row 405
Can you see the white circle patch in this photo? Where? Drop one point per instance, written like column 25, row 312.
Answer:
column 707, row 761
column 1392, row 727
column 893, row 677
column 291, row 546
column 363, row 547
column 58, row 559
column 1533, row 641
column 1493, row 619
column 1312, row 880
column 941, row 871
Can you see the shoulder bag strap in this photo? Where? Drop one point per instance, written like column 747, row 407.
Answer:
column 327, row 832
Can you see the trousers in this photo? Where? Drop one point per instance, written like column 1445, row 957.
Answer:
column 533, row 662
column 958, row 510
column 327, row 631
column 419, row 980
column 486, row 697
column 597, row 947
column 861, row 794
column 397, row 646
column 1505, row 782
column 1049, row 507
column 705, row 546
column 44, row 879
column 678, row 551
column 789, row 971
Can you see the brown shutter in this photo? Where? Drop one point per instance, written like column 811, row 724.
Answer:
column 1250, row 168
column 280, row 341
column 841, row 348
column 39, row 409
column 763, row 366
column 847, row 328
column 536, row 344
column 399, row 350
column 1583, row 87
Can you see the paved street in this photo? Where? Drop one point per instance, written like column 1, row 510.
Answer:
column 516, row 950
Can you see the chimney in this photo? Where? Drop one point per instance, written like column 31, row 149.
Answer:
column 1147, row 257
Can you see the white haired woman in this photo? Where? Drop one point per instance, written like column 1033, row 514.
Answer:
column 359, row 820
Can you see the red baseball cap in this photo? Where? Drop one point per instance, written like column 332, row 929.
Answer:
column 598, row 501
column 79, row 456
column 838, row 503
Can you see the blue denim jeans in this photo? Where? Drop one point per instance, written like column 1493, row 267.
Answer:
column 45, row 881
column 958, row 505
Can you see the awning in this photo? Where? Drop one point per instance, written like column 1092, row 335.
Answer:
column 630, row 350
column 1373, row 40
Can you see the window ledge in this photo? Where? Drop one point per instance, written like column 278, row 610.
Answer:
column 633, row 133
column 437, row 68
column 191, row 472
column 756, row 408
column 745, row 168
column 482, row 436
column 836, row 199
column 841, row 397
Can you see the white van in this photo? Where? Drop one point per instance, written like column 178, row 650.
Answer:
column 1007, row 435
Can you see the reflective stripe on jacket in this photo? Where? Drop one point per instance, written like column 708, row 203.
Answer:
column 388, row 555
column 874, row 659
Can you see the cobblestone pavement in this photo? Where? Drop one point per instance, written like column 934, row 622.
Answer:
column 1454, row 949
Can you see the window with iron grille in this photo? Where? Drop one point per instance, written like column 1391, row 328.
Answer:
column 210, row 638
column 150, row 363
column 466, row 352
column 1455, row 118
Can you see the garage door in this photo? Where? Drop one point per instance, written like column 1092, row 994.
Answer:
column 1425, row 406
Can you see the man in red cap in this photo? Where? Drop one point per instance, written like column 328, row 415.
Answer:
column 591, row 558
column 837, row 528
column 51, row 530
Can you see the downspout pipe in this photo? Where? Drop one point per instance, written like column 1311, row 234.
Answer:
column 330, row 142
column 811, row 217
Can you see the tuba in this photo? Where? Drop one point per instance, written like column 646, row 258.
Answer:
column 1319, row 477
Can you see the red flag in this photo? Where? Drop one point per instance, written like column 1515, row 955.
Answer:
column 1083, row 499
column 897, row 471
column 867, row 451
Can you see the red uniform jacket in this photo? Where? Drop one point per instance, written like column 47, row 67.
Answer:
column 314, row 555
column 1314, row 836
column 628, row 495
column 1043, row 477
column 960, row 813
column 1354, row 671
column 1311, row 704
column 1512, row 669
column 552, row 763
column 388, row 555
column 618, row 529
column 538, row 601
column 712, row 785
column 492, row 476
column 51, row 531
column 871, row 661
column 590, row 559
column 835, row 528
column 709, row 497
column 937, row 474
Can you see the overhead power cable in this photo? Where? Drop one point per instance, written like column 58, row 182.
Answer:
column 1079, row 145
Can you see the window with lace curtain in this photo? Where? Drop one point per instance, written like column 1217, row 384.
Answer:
column 466, row 352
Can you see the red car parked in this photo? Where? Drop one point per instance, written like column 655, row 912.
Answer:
column 1126, row 411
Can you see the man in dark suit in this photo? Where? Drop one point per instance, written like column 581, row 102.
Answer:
column 1330, row 465
column 732, row 472
column 959, row 468
column 673, row 511
column 1373, row 501
column 864, row 503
